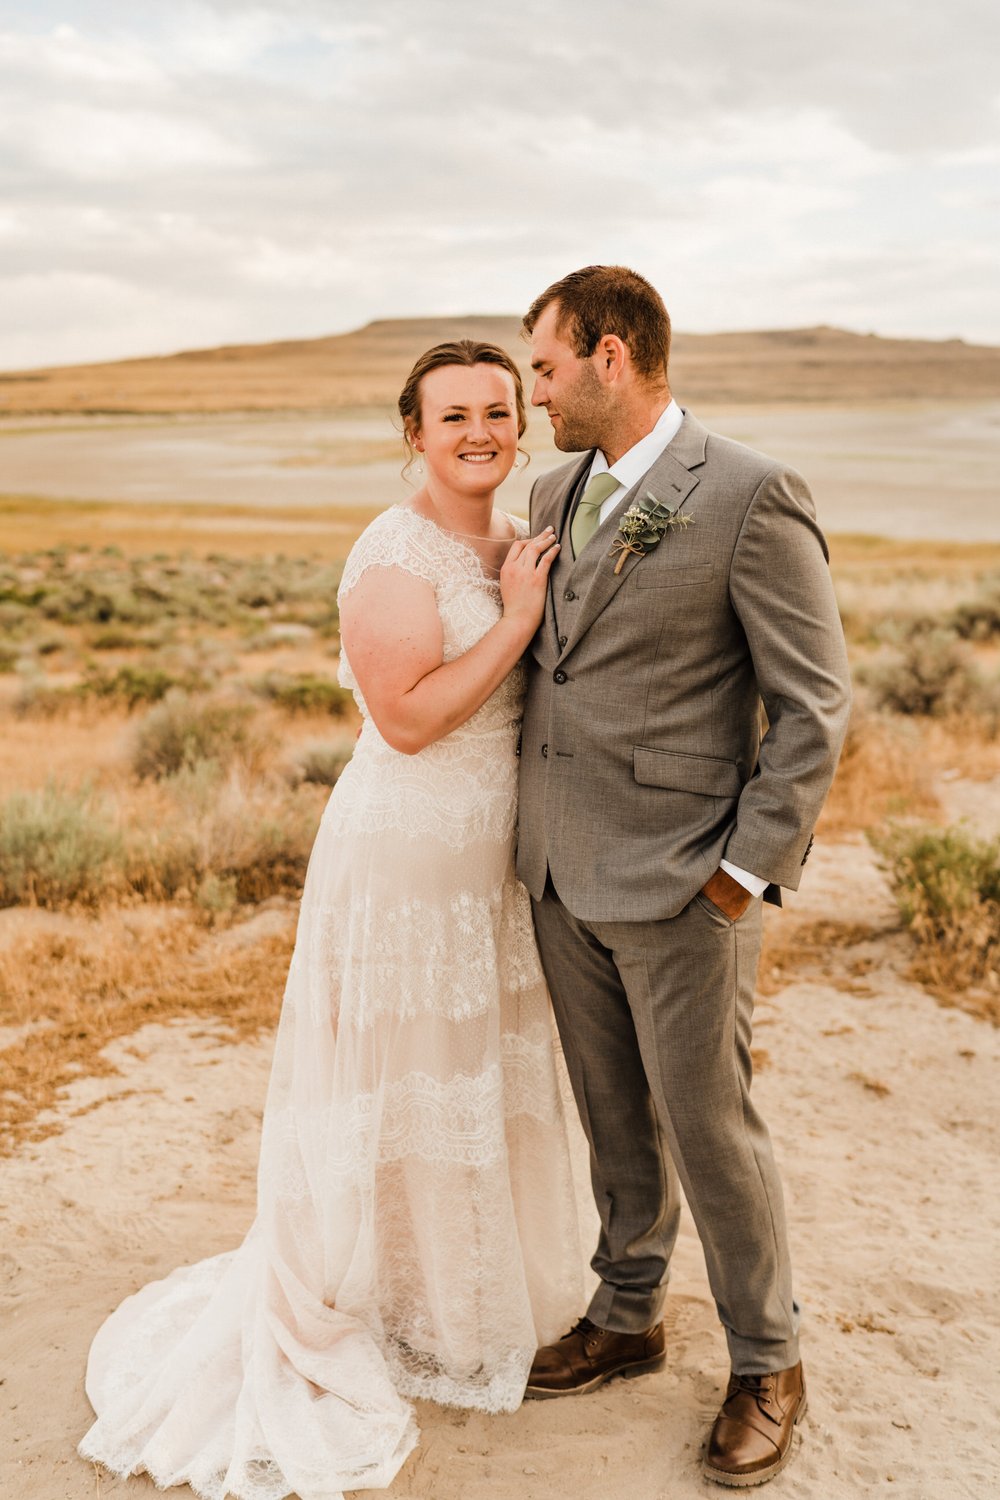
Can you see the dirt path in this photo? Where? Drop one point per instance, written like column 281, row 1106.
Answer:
column 885, row 1114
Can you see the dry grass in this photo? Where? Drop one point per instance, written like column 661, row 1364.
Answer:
column 796, row 949
column 963, row 746
column 906, row 564
column 30, row 524
column 883, row 773
column 100, row 981
column 873, row 1085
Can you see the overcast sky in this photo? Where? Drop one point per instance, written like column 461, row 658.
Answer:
column 184, row 174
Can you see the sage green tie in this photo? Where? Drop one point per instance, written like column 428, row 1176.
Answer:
column 587, row 516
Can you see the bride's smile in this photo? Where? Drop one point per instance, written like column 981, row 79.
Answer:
column 468, row 436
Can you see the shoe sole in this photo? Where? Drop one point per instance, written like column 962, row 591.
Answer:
column 643, row 1367
column 760, row 1476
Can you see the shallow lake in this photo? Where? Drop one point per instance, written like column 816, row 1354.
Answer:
column 910, row 471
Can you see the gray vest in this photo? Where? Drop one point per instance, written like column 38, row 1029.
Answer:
column 571, row 577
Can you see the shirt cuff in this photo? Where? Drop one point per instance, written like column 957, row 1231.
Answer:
column 755, row 884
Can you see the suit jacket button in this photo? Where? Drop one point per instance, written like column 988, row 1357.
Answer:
column 569, row 594
column 545, row 752
column 563, row 639
column 559, row 676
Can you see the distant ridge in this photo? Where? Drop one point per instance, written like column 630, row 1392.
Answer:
column 367, row 366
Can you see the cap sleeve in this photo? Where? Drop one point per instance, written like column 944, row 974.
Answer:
column 390, row 541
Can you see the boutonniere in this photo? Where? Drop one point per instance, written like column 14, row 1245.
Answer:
column 643, row 525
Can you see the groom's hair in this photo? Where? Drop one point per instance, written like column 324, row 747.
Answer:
column 610, row 299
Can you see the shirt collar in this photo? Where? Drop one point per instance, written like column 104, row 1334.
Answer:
column 641, row 457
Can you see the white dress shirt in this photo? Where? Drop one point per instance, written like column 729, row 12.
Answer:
column 628, row 470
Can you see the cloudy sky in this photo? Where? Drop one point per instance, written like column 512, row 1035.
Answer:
column 183, row 174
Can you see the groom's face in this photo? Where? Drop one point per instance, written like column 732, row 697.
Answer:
column 567, row 387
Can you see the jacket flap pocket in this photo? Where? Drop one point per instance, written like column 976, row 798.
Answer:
column 663, row 576
column 706, row 775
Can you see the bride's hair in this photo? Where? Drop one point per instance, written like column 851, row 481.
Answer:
column 468, row 352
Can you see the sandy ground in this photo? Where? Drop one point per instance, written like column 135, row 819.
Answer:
column 886, row 1119
column 908, row 470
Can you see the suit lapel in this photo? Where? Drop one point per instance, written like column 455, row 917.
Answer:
column 670, row 479
column 561, row 502
column 557, row 507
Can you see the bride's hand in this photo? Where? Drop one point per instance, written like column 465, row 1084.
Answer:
column 524, row 577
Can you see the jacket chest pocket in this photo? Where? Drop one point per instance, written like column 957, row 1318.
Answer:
column 661, row 577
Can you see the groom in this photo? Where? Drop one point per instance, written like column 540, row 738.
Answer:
column 654, row 817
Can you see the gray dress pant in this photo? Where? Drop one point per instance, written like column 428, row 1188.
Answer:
column 655, row 1022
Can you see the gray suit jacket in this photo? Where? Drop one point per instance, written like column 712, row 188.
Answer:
column 642, row 763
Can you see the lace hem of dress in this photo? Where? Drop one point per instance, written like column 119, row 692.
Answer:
column 254, row 1478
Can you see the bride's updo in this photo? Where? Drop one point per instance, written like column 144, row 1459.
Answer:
column 468, row 352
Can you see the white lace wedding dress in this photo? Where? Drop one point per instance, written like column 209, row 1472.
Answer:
column 416, row 1230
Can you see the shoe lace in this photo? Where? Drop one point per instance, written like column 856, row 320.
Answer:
column 587, row 1330
column 759, row 1387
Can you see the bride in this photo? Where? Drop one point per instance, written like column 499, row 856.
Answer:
column 415, row 1232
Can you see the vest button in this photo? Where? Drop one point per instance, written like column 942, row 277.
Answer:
column 559, row 676
column 569, row 594
column 563, row 639
column 545, row 752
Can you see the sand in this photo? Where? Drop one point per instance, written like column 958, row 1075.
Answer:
column 886, row 1120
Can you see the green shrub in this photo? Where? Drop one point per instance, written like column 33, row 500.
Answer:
column 979, row 618
column 947, row 887
column 38, row 699
column 323, row 764
column 304, row 693
column 930, row 675
column 277, row 634
column 129, row 684
column 183, row 730
column 122, row 638
column 228, row 839
column 216, row 896
column 15, row 620
column 57, row 848
column 74, row 601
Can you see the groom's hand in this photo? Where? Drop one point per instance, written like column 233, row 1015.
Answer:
column 727, row 894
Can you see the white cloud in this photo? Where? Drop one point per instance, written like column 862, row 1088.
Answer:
column 235, row 170
column 90, row 144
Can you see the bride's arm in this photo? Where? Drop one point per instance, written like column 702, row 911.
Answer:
column 391, row 631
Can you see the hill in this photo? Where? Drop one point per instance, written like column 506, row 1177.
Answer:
column 367, row 366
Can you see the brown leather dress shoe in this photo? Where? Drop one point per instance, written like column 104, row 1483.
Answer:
column 587, row 1356
column 752, row 1437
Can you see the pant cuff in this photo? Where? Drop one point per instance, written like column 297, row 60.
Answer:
column 625, row 1309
